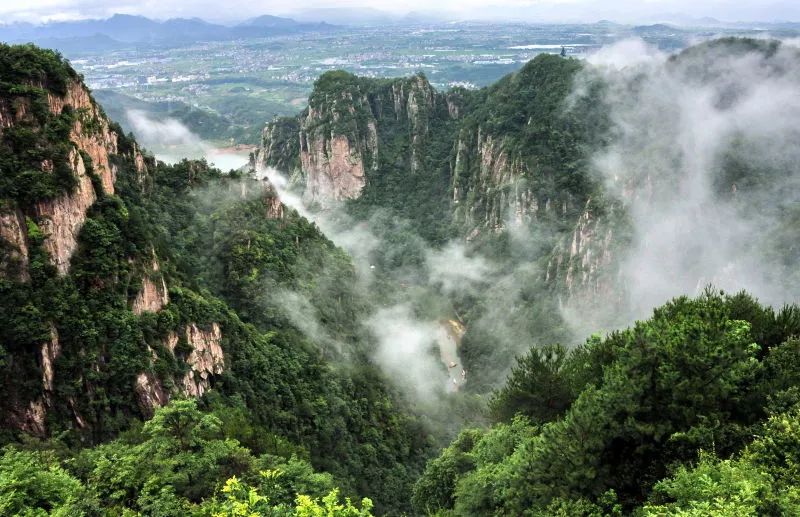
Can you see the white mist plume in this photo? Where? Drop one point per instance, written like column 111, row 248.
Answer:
column 414, row 349
column 454, row 270
column 407, row 351
column 629, row 52
column 154, row 132
column 676, row 126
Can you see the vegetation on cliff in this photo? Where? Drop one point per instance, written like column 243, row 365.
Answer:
column 204, row 350
column 210, row 239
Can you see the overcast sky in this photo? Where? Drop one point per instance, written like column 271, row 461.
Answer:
column 530, row 10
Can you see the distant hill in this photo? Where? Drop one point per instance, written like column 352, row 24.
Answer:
column 125, row 30
column 345, row 16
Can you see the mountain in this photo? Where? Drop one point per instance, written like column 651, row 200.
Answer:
column 276, row 22
column 509, row 173
column 105, row 319
column 345, row 16
column 597, row 193
column 128, row 29
column 405, row 268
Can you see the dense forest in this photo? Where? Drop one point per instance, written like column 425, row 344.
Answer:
column 179, row 340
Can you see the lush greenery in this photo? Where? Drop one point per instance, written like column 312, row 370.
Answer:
column 172, row 465
column 28, row 76
column 597, row 429
column 694, row 411
column 225, row 263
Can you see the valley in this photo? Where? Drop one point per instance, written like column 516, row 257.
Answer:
column 455, row 271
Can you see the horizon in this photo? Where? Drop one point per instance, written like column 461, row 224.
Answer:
column 624, row 12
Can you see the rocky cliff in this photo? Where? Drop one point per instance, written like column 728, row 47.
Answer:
column 90, row 142
column 470, row 163
column 61, row 218
column 13, row 245
column 63, row 225
column 153, row 295
column 205, row 360
column 353, row 131
column 90, row 131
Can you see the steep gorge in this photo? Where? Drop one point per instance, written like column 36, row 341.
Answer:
column 469, row 165
column 128, row 285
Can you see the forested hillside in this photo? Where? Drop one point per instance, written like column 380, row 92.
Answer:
column 405, row 268
column 127, row 283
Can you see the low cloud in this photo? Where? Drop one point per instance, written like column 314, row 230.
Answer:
column 163, row 132
column 407, row 351
column 704, row 156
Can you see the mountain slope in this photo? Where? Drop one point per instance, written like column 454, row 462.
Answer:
column 115, row 302
column 535, row 153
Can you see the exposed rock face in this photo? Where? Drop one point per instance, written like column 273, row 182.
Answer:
column 49, row 352
column 334, row 171
column 139, row 162
column 340, row 136
column 13, row 245
column 490, row 188
column 272, row 202
column 205, row 360
column 153, row 296
column 91, row 132
column 31, row 418
column 172, row 342
column 150, row 392
column 61, row 219
column 584, row 267
column 13, row 111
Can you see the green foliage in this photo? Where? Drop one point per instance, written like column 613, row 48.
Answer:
column 179, row 463
column 612, row 426
column 28, row 65
column 762, row 480
column 541, row 385
column 648, row 398
column 38, row 136
column 34, row 484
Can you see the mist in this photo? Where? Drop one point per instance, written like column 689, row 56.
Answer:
column 171, row 141
column 702, row 157
column 705, row 157
column 415, row 331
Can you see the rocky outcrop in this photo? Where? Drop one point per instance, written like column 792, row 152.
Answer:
column 61, row 219
column 13, row 111
column 490, row 187
column 90, row 132
column 585, row 267
column 13, row 245
column 139, row 162
column 340, row 136
column 205, row 360
column 150, row 392
column 334, row 169
column 272, row 202
column 31, row 417
column 153, row 295
column 583, row 258
column 49, row 352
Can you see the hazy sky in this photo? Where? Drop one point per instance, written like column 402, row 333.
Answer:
column 531, row 10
